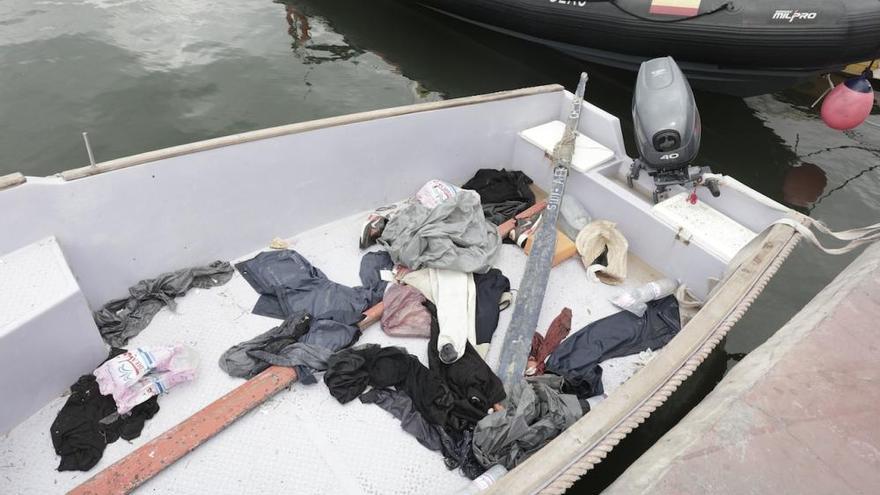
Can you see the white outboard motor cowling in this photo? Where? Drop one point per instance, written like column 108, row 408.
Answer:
column 667, row 127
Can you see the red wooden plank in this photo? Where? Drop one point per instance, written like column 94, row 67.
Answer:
column 145, row 462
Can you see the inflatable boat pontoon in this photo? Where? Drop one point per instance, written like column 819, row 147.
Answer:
column 740, row 47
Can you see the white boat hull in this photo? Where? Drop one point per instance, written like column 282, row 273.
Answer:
column 132, row 218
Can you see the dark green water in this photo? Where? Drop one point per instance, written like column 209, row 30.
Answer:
column 140, row 75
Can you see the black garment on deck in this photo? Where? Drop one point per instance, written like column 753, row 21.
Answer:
column 577, row 358
column 490, row 287
column 78, row 434
column 455, row 395
column 474, row 385
column 503, row 193
column 499, row 213
column 454, row 445
column 289, row 284
column 122, row 319
column 464, row 457
column 399, row 405
column 351, row 371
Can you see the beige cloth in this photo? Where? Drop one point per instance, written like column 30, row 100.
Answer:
column 593, row 240
column 455, row 296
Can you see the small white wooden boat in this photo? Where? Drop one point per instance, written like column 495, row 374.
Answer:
column 73, row 241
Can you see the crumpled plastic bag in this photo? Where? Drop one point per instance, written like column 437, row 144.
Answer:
column 405, row 314
column 134, row 376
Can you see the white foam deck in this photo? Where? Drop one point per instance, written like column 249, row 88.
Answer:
column 302, row 440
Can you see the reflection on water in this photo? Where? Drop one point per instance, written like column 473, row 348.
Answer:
column 327, row 46
column 803, row 185
column 140, row 76
column 843, row 185
column 299, row 26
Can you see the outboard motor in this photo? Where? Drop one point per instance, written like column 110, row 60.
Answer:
column 667, row 126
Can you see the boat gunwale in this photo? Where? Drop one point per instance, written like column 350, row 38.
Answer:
column 559, row 464
column 297, row 128
column 11, row 180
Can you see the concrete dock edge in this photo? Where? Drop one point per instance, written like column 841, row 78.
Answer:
column 797, row 415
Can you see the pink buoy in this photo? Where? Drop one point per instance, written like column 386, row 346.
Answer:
column 848, row 104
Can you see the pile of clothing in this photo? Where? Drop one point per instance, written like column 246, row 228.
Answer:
column 444, row 248
column 434, row 271
column 446, row 290
column 116, row 400
column 436, row 278
column 320, row 316
column 121, row 394
column 89, row 421
column 439, row 404
column 562, row 375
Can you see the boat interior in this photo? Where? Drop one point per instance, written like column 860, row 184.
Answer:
column 101, row 229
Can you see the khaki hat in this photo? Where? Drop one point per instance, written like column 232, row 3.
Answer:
column 602, row 237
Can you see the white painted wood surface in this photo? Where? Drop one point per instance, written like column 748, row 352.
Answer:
column 285, row 130
column 188, row 209
column 712, row 230
column 588, row 154
column 47, row 334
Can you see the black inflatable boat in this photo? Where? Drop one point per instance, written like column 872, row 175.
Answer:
column 732, row 46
